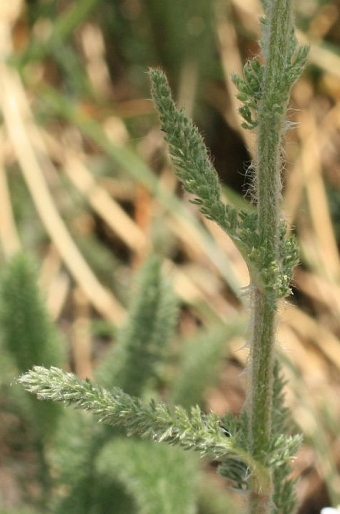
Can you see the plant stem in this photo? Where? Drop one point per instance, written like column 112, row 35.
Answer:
column 272, row 117
column 260, row 390
column 271, row 122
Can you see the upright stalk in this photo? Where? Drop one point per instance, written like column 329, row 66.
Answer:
column 271, row 122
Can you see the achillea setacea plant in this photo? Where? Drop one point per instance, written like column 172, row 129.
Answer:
column 255, row 449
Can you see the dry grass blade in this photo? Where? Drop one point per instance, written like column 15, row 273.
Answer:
column 318, row 204
column 105, row 206
column 8, row 232
column 17, row 116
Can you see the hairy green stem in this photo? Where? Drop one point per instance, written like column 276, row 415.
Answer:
column 272, row 116
column 271, row 120
column 260, row 390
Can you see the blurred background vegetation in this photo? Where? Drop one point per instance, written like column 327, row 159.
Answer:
column 86, row 188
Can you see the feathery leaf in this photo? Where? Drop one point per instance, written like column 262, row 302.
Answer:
column 143, row 340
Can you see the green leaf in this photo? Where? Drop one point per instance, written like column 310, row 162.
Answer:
column 200, row 362
column 160, row 479
column 191, row 430
column 143, row 341
column 27, row 332
column 28, row 336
